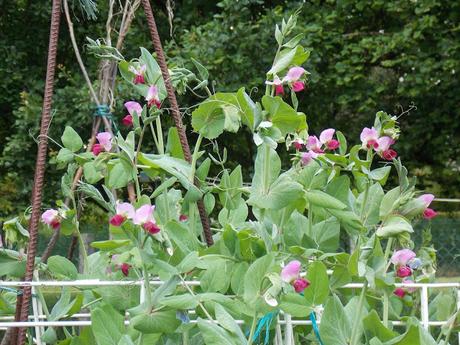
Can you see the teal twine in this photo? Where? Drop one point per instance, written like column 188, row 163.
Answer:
column 17, row 292
column 265, row 322
column 103, row 110
column 315, row 327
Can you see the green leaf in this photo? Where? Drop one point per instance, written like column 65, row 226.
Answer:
column 157, row 322
column 217, row 277
column 12, row 263
column 295, row 305
column 173, row 146
column 342, row 142
column 283, row 116
column 321, row 199
column 118, row 176
column 202, row 71
column 318, row 290
column 107, row 325
column 373, row 327
column 251, row 113
column 71, row 140
column 125, row 340
column 213, row 334
column 228, row 322
column 182, row 302
column 393, row 226
column 280, row 194
column 110, row 244
column 92, row 175
column 335, row 327
column 65, row 155
column 62, row 267
column 254, row 277
column 389, row 202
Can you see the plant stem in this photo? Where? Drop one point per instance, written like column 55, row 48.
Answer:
column 253, row 329
column 155, row 139
column 387, row 252
column 161, row 147
column 195, row 156
column 355, row 334
column 385, row 308
column 310, row 220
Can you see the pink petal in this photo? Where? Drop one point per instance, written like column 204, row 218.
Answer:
column 307, row 157
column 426, row 199
column 49, row 216
column 313, row 143
column 279, row 90
column 368, row 134
column 291, row 271
column 402, row 257
column 300, row 285
column 385, row 143
column 295, row 73
column 152, row 93
column 298, row 86
column 429, row 213
column 143, row 214
column 333, row 144
column 126, row 209
column 97, row 149
column 133, row 108
column 326, row 135
column 105, row 139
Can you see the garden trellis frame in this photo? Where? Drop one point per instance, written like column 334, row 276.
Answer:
column 23, row 301
column 38, row 320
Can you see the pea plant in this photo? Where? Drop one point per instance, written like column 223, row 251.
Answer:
column 284, row 244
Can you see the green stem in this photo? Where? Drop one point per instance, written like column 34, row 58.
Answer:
column 266, row 182
column 253, row 329
column 185, row 338
column 385, row 308
column 196, row 151
column 355, row 333
column 155, row 139
column 310, row 220
column 387, row 253
column 161, row 147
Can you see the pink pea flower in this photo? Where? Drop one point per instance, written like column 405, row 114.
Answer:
column 369, row 138
column 279, row 89
column 409, row 289
column 127, row 120
column 301, row 284
column 51, row 218
column 183, row 218
column 298, row 144
column 427, row 199
column 291, row 271
column 403, row 272
column 402, row 257
column 144, row 218
column 133, row 108
column 138, row 74
column 314, row 144
column 153, row 97
column 124, row 267
column 384, row 149
column 293, row 76
column 123, row 211
column 327, row 138
column 307, row 157
column 400, row 292
column 105, row 143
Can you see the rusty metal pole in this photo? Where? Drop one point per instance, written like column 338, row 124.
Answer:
column 175, row 109
column 40, row 165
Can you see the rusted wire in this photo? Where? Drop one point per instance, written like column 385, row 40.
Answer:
column 175, row 109
column 40, row 165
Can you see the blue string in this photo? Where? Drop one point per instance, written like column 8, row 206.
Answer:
column 315, row 327
column 17, row 292
column 103, row 110
column 264, row 322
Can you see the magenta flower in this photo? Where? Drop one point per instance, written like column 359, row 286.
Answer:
column 293, row 76
column 298, row 144
column 384, row 149
column 301, row 284
column 369, row 138
column 291, row 271
column 314, row 144
column 133, row 108
column 183, row 218
column 105, row 143
column 51, row 218
column 389, row 154
column 279, row 90
column 403, row 272
column 144, row 218
column 427, row 199
column 307, row 157
column 127, row 120
column 327, row 138
column 402, row 257
column 153, row 97
column 400, row 292
column 124, row 267
column 138, row 74
column 123, row 211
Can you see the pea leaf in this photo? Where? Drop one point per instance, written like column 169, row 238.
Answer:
column 71, row 140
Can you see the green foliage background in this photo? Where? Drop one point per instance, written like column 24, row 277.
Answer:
column 365, row 56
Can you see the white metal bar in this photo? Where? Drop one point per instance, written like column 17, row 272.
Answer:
column 424, row 307
column 36, row 312
column 458, row 308
column 96, row 282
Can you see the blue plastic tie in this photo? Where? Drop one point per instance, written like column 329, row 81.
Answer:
column 103, row 110
column 17, row 292
column 315, row 327
column 264, row 322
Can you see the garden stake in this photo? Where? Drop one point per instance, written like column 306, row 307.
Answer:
column 175, row 110
column 40, row 166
